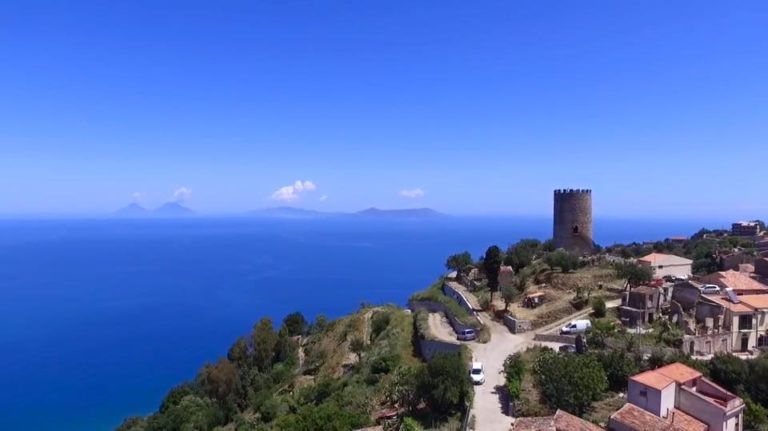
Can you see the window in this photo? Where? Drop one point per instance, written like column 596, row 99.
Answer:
column 745, row 322
column 643, row 393
column 575, row 229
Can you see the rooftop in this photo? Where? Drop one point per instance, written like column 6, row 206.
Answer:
column 565, row 421
column 665, row 259
column 653, row 379
column 679, row 372
column 560, row 421
column 684, row 422
column 757, row 302
column 739, row 282
column 636, row 418
column 725, row 302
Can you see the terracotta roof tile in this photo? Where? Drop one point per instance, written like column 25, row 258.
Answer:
column 735, row 308
column 653, row 379
column 755, row 301
column 638, row 419
column 679, row 372
column 565, row 421
column 665, row 259
column 685, row 422
column 741, row 283
column 546, row 423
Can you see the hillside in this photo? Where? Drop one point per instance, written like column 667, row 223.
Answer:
column 328, row 375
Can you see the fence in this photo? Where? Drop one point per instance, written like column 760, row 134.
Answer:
column 517, row 326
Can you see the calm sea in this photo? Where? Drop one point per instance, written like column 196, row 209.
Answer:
column 99, row 318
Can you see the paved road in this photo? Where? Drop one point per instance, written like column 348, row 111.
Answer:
column 488, row 406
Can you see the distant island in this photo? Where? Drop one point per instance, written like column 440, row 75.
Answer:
column 170, row 209
column 175, row 209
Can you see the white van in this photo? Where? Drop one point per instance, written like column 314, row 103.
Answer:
column 576, row 327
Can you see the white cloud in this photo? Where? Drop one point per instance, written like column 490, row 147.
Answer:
column 181, row 194
column 138, row 197
column 294, row 191
column 412, row 193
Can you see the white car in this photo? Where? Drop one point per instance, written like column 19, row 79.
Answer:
column 477, row 373
column 710, row 289
column 576, row 327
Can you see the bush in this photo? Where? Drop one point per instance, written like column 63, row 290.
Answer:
column 445, row 383
column 514, row 368
column 560, row 258
column 599, row 308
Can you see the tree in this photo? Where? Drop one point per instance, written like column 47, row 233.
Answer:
column 492, row 265
column 560, row 258
column 618, row 366
column 601, row 331
column 221, row 383
column 445, row 383
column 263, row 340
column 508, row 293
column 357, row 346
column 191, row 413
column 295, row 324
column 570, row 382
column 238, row 354
column 634, row 274
column 402, row 389
column 705, row 265
column 755, row 416
column 520, row 255
column 459, row 262
column 599, row 308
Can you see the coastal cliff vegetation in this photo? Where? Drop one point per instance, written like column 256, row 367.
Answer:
column 339, row 374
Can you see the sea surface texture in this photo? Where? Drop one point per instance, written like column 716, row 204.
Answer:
column 99, row 318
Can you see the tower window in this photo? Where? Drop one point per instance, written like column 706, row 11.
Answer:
column 575, row 229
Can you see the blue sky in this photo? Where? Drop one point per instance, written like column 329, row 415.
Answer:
column 469, row 107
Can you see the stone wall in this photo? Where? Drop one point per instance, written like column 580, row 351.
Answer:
column 429, row 348
column 436, row 307
column 554, row 338
column 459, row 297
column 686, row 294
column 517, row 326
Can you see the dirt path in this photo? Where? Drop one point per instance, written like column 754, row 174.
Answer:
column 440, row 328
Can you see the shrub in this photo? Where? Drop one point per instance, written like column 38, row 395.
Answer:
column 599, row 308
column 570, row 382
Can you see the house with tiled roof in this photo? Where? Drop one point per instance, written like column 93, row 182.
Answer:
column 560, row 421
column 740, row 283
column 667, row 264
column 678, row 398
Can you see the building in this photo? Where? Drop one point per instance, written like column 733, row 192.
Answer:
column 683, row 398
column 632, row 418
column 737, row 324
column 745, row 228
column 640, row 306
column 740, row 283
column 667, row 265
column 572, row 229
column 560, row 421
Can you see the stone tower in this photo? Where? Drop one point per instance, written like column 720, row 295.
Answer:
column 573, row 220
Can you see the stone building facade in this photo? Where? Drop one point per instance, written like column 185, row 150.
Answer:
column 572, row 228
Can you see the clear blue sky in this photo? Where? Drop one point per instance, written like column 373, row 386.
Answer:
column 469, row 107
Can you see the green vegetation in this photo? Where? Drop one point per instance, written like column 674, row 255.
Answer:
column 747, row 378
column 301, row 377
column 570, row 382
column 459, row 262
column 634, row 274
column 514, row 370
column 599, row 309
column 522, row 254
column 563, row 260
column 492, row 266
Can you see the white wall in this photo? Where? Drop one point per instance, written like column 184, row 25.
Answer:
column 654, row 401
column 673, row 270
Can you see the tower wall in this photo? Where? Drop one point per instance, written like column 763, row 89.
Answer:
column 573, row 220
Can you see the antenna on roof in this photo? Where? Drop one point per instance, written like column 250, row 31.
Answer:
column 732, row 295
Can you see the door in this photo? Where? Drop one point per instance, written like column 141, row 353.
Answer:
column 744, row 342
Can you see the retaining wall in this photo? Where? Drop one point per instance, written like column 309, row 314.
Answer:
column 517, row 326
column 554, row 338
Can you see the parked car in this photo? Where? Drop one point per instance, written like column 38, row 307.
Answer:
column 477, row 373
column 466, row 335
column 710, row 289
column 576, row 327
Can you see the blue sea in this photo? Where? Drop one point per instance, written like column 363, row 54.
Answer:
column 99, row 318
